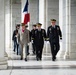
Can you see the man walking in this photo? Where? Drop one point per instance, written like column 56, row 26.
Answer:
column 14, row 38
column 54, row 34
column 33, row 40
column 39, row 37
column 24, row 40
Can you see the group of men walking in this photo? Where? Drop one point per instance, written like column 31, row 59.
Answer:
column 37, row 35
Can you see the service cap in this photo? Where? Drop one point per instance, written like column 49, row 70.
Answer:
column 39, row 24
column 34, row 25
column 53, row 20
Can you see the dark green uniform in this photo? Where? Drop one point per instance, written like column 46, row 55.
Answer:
column 53, row 33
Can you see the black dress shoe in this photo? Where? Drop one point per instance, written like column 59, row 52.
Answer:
column 21, row 58
column 34, row 53
column 37, row 59
column 53, row 59
column 14, row 50
column 25, row 59
column 17, row 53
column 28, row 53
column 40, row 58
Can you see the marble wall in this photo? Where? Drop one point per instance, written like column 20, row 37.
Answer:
column 16, row 13
column 53, row 10
column 34, row 12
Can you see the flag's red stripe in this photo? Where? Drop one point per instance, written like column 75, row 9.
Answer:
column 26, row 18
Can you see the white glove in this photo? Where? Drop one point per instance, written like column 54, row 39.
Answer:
column 32, row 41
column 44, row 42
column 47, row 42
column 28, row 43
column 60, row 40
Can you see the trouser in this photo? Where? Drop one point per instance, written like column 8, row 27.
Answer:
column 27, row 49
column 15, row 44
column 17, row 49
column 54, row 48
column 39, row 49
column 34, row 47
column 24, row 45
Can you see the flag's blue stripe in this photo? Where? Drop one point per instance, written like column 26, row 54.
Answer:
column 26, row 7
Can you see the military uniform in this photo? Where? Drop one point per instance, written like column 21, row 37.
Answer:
column 33, row 41
column 53, row 33
column 39, row 37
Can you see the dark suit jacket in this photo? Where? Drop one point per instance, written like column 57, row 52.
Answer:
column 14, row 34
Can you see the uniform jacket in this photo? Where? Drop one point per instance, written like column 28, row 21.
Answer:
column 39, row 36
column 32, row 34
column 54, row 33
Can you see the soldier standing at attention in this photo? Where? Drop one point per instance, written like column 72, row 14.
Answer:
column 39, row 37
column 54, row 34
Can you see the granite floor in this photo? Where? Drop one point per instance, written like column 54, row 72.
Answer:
column 33, row 67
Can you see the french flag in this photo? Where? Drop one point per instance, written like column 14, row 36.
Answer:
column 26, row 17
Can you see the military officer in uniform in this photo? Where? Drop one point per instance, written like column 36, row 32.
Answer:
column 39, row 37
column 33, row 41
column 54, row 34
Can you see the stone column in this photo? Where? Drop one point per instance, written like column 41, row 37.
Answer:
column 42, row 17
column 67, row 23
column 42, row 12
column 66, row 28
column 7, row 24
column 69, row 29
column 46, row 26
column 3, row 60
column 34, row 12
column 63, row 25
column 72, row 30
column 52, row 11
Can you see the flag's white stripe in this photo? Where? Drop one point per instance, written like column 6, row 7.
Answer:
column 23, row 5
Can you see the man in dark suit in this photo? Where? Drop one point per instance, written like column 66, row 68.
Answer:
column 39, row 37
column 54, row 34
column 14, row 36
column 33, row 41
